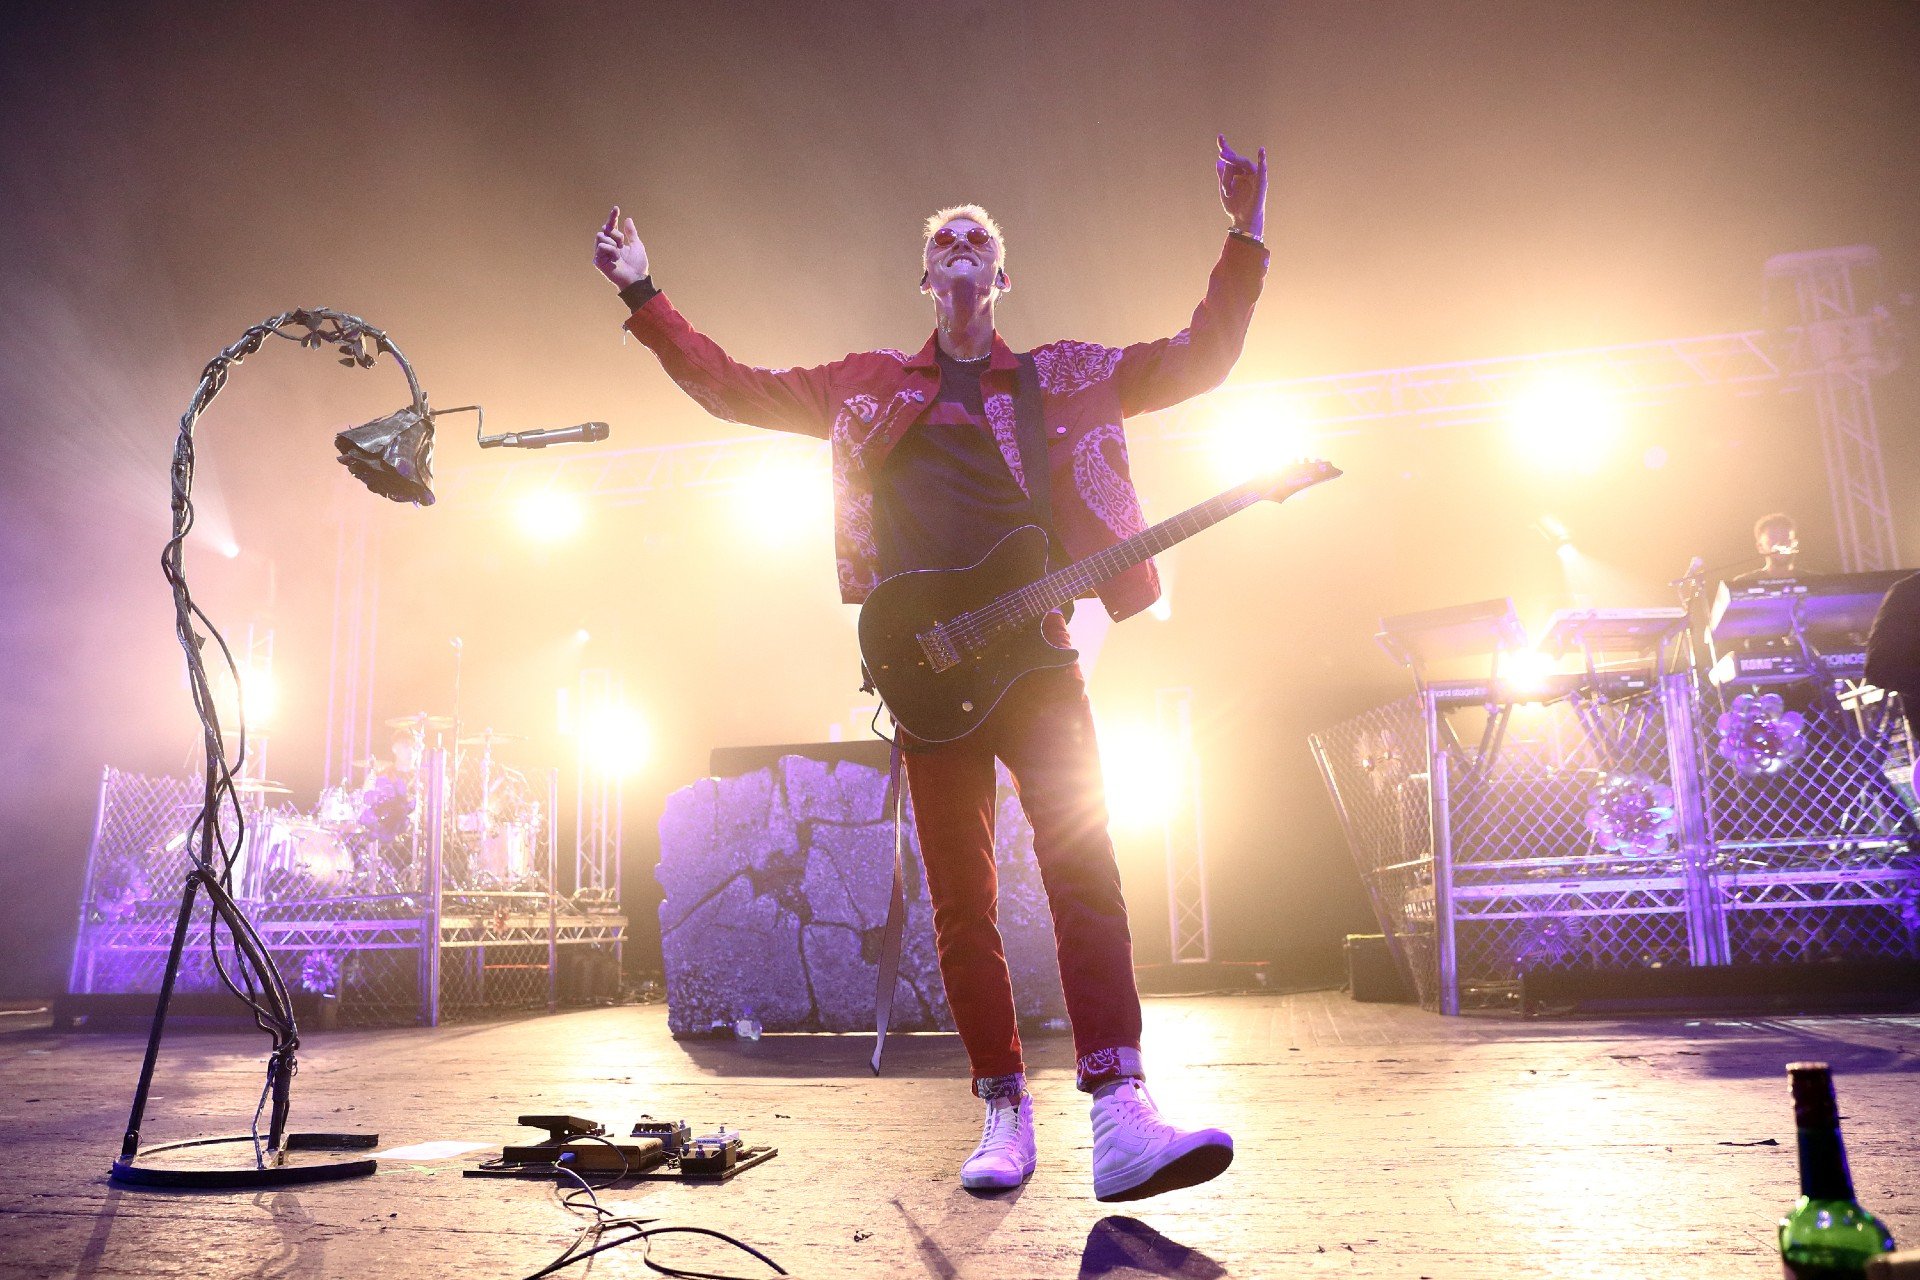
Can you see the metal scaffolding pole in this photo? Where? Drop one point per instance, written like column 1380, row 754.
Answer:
column 596, row 832
column 350, row 660
column 1189, row 924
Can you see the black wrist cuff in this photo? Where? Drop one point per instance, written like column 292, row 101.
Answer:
column 639, row 293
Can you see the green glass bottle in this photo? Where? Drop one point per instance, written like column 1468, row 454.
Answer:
column 1826, row 1235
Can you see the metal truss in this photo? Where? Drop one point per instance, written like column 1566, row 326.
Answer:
column 1190, row 934
column 599, row 802
column 1483, row 860
column 1459, row 393
column 1842, row 346
column 350, row 650
column 1468, row 392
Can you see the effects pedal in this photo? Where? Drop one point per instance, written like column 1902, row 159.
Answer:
column 671, row 1134
column 582, row 1146
column 712, row 1155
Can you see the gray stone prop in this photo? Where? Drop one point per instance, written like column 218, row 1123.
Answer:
column 776, row 892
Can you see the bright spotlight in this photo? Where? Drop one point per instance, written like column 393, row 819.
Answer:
column 614, row 741
column 1162, row 609
column 1145, row 775
column 582, row 636
column 1565, row 421
column 785, row 499
column 550, row 515
column 259, row 696
column 1527, row 671
column 1256, row 435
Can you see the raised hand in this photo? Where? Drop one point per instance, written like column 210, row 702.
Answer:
column 618, row 253
column 1243, row 188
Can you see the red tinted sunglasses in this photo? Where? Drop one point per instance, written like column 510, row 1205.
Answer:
column 978, row 237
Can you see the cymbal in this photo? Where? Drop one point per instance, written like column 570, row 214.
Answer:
column 420, row 720
column 259, row 786
column 489, row 735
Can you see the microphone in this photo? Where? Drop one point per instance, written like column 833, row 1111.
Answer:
column 1694, row 568
column 551, row 435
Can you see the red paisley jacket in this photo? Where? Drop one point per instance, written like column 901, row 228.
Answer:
column 863, row 403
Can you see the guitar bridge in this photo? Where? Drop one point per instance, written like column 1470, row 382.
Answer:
column 940, row 651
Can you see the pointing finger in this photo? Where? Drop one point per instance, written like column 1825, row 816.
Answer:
column 612, row 220
column 631, row 233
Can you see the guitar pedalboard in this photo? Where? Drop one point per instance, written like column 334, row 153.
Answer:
column 655, row 1151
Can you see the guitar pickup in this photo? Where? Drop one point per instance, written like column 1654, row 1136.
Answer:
column 939, row 649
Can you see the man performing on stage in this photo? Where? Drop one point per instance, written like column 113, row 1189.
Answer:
column 929, row 473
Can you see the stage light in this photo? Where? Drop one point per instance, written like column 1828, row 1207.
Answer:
column 1555, row 532
column 259, row 696
column 786, row 498
column 1654, row 458
column 1144, row 773
column 1565, row 421
column 614, row 740
column 1527, row 672
column 582, row 636
column 550, row 515
column 1161, row 610
column 1255, row 435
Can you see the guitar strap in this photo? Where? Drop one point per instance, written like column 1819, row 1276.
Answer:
column 1030, row 432
column 895, row 928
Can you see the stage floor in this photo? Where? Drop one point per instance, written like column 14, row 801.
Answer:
column 1371, row 1141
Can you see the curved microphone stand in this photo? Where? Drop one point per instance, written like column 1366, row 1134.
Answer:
column 393, row 457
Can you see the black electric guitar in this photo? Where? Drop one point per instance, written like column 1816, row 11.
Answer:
column 943, row 646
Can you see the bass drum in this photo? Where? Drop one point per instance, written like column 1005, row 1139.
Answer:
column 338, row 809
column 299, row 856
column 506, row 853
column 182, row 849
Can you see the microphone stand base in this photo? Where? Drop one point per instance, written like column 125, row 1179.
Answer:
column 282, row 1168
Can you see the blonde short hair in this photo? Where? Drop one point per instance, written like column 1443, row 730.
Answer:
column 971, row 211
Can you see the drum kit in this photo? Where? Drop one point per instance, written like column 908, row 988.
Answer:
column 367, row 839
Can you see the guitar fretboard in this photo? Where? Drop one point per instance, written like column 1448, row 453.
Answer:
column 1042, row 596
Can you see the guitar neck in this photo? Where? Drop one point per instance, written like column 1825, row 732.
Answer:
column 1082, row 576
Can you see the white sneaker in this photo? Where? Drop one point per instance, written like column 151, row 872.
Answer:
column 1005, row 1157
column 1137, row 1154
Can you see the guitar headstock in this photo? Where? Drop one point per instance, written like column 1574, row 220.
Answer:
column 1278, row 486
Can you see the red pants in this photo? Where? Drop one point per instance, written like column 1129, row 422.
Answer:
column 1043, row 729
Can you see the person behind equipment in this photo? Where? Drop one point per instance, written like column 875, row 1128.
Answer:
column 1775, row 538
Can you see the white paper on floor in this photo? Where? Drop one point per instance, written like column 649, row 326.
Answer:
column 445, row 1150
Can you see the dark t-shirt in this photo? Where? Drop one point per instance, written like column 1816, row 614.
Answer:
column 1893, row 647
column 944, row 496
